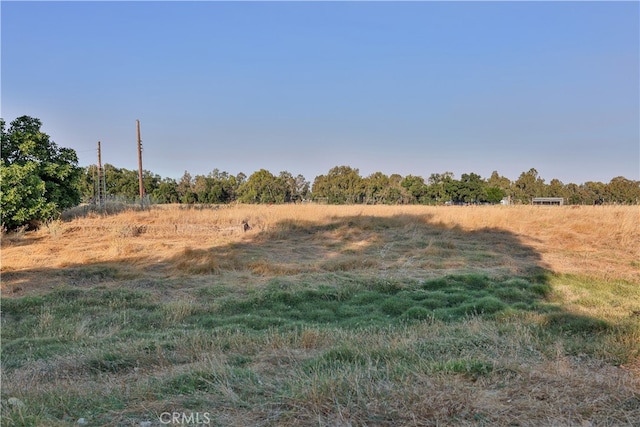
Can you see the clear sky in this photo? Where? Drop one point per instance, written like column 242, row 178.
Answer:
column 396, row 87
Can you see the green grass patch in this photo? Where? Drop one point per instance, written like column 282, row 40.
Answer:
column 366, row 303
column 298, row 342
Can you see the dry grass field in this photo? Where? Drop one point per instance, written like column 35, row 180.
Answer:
column 324, row 315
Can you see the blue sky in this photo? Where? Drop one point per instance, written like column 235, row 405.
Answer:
column 397, row 87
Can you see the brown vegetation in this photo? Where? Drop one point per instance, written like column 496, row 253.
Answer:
column 183, row 264
column 602, row 242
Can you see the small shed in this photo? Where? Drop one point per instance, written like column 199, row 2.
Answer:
column 548, row 201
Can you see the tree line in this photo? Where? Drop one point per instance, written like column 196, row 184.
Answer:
column 345, row 185
column 39, row 180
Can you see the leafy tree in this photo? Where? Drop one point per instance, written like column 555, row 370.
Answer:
column 471, row 188
column 150, row 182
column 441, row 187
column 376, row 188
column 88, row 183
column 498, row 185
column 263, row 187
column 571, row 193
column 593, row 193
column 296, row 188
column 166, row 192
column 185, row 189
column 415, row 188
column 395, row 194
column 48, row 175
column 498, row 181
column 528, row 186
column 341, row 185
column 494, row 194
column 623, row 190
column 121, row 182
column 555, row 189
column 23, row 195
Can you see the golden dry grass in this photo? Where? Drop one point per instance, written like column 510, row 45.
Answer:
column 601, row 242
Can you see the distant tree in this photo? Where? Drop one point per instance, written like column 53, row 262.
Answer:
column 395, row 194
column 185, row 189
column 376, row 188
column 572, row 194
column 441, row 187
column 201, row 188
column 38, row 178
column 341, row 185
column 88, row 183
column 622, row 190
column 500, row 185
column 166, row 192
column 555, row 189
column 296, row 188
column 218, row 187
column 121, row 182
column 415, row 188
column 494, row 194
column 263, row 187
column 528, row 186
column 592, row 192
column 234, row 185
column 150, row 182
column 301, row 188
column 471, row 188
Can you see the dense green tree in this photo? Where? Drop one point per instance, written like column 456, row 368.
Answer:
column 263, row 187
column 471, row 188
column 415, row 188
column 494, row 194
column 593, row 193
column 528, row 186
column 22, row 196
column 622, row 190
column 396, row 194
column 296, row 188
column 341, row 185
column 88, row 183
column 217, row 187
column 555, row 189
column 150, row 182
column 166, row 192
column 376, row 188
column 121, row 182
column 441, row 187
column 498, row 185
column 49, row 175
column 571, row 193
column 185, row 189
column 498, row 181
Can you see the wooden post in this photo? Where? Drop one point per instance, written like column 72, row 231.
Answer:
column 140, row 166
column 100, row 194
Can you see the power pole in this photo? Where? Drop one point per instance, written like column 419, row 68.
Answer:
column 140, row 166
column 95, row 186
column 100, row 193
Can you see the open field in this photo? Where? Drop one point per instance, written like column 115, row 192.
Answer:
column 325, row 315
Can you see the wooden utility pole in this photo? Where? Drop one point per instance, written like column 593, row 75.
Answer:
column 100, row 194
column 141, row 185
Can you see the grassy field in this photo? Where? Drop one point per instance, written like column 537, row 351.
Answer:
column 324, row 316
